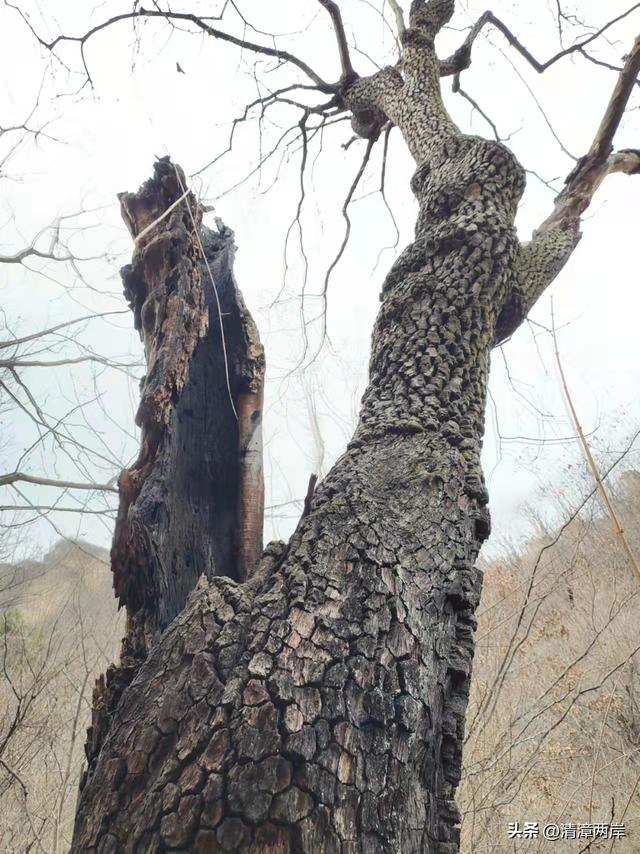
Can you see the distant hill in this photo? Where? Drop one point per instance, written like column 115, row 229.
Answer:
column 553, row 726
column 39, row 587
column 61, row 629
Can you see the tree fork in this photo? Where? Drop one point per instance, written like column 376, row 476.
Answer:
column 319, row 706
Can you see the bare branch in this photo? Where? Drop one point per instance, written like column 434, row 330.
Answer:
column 615, row 521
column 382, row 189
column 399, row 16
column 200, row 22
column 333, row 9
column 347, row 232
column 31, row 251
column 461, row 59
column 541, row 259
column 590, row 171
column 296, row 222
column 52, row 508
column 478, row 109
column 19, row 363
column 16, row 476
column 381, row 13
column 13, row 342
column 264, row 102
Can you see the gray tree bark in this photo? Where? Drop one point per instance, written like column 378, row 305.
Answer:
column 314, row 702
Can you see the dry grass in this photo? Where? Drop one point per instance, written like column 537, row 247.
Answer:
column 553, row 729
column 59, row 630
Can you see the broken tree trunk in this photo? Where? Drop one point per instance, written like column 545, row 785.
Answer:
column 192, row 503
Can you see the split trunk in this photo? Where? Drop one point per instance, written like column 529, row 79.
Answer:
column 309, row 697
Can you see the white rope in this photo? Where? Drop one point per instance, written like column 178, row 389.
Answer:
column 213, row 284
column 162, row 216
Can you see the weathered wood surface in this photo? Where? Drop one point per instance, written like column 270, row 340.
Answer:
column 180, row 513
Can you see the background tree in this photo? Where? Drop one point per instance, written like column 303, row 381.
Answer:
column 561, row 747
column 342, row 672
column 58, row 631
column 56, row 635
column 57, row 460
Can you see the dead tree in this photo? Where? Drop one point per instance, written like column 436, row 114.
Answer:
column 312, row 697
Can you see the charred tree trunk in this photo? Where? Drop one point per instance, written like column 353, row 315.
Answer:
column 189, row 504
column 318, row 706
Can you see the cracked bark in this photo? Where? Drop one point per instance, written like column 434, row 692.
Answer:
column 319, row 705
column 183, row 503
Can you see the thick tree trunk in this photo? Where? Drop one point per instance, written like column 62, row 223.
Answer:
column 319, row 706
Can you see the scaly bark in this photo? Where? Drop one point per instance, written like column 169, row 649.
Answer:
column 319, row 706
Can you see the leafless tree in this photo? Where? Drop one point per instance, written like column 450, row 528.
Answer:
column 44, row 439
column 55, row 638
column 311, row 696
column 562, row 746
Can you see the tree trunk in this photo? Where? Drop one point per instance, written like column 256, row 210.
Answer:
column 319, row 706
column 189, row 504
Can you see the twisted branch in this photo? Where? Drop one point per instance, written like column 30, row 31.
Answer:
column 461, row 59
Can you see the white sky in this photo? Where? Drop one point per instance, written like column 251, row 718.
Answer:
column 140, row 107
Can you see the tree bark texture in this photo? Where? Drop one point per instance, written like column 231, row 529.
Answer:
column 319, row 705
column 182, row 507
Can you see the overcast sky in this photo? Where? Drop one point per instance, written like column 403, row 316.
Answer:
column 140, row 107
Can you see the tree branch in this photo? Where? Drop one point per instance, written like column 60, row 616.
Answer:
column 552, row 244
column 14, row 342
column 615, row 521
column 461, row 59
column 31, row 251
column 399, row 16
column 56, row 363
column 590, row 171
column 347, row 232
column 168, row 15
column 16, row 476
column 348, row 74
column 52, row 508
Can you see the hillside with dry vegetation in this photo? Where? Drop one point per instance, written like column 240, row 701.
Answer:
column 59, row 631
column 553, row 731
